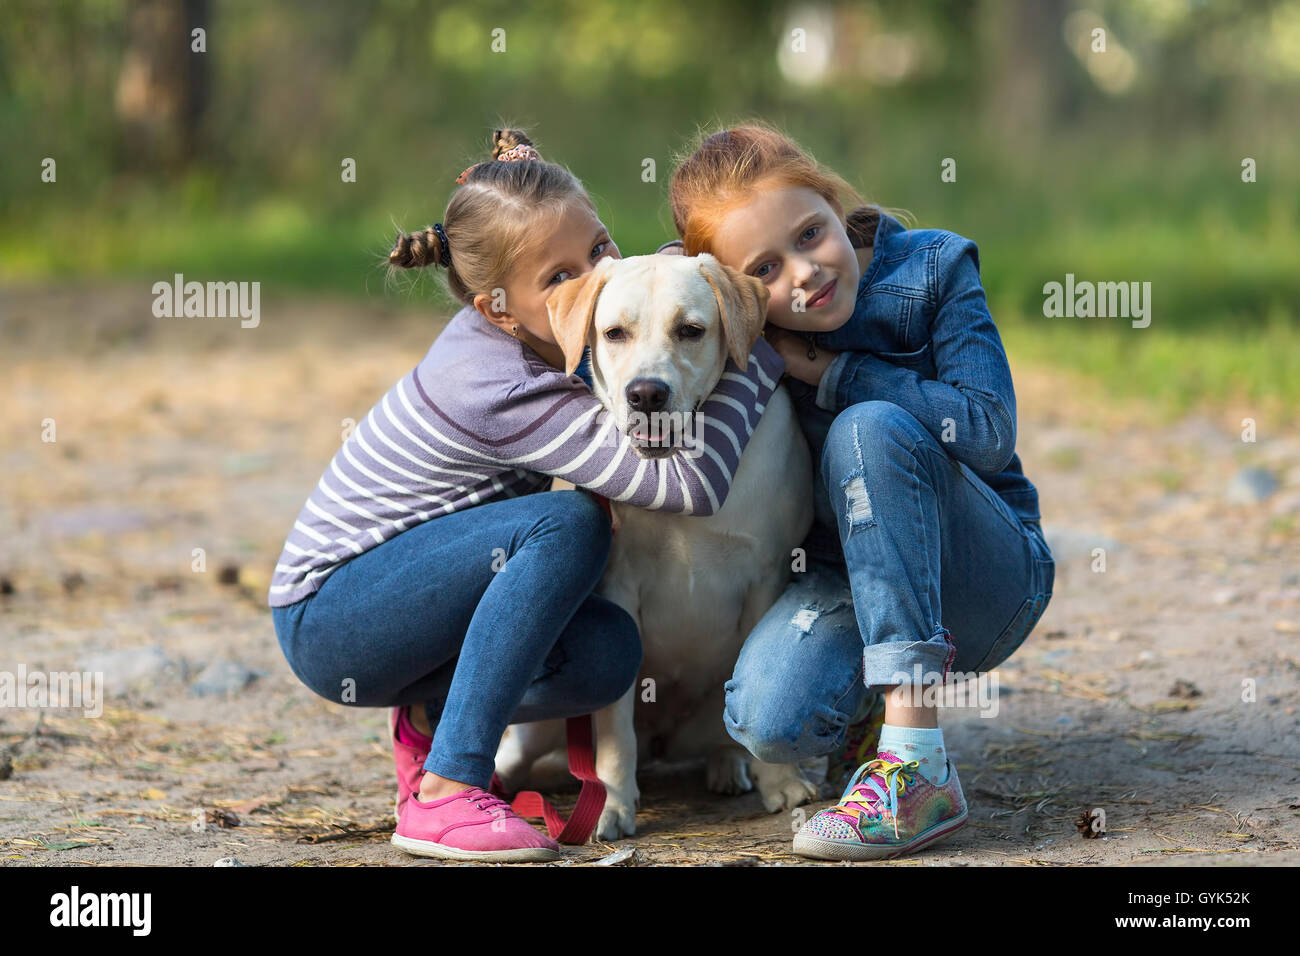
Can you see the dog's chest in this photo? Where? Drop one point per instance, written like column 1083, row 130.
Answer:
column 695, row 584
column 690, row 583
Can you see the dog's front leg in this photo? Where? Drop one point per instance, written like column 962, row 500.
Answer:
column 521, row 746
column 616, row 767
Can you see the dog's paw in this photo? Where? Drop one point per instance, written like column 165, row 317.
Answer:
column 728, row 772
column 783, row 786
column 618, row 819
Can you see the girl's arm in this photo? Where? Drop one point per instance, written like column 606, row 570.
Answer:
column 971, row 407
column 570, row 435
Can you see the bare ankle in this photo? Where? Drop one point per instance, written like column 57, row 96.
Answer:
column 902, row 709
column 419, row 720
column 434, row 787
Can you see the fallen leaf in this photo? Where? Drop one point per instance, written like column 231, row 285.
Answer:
column 67, row 845
column 1160, row 706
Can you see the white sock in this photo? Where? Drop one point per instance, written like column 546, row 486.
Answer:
column 922, row 744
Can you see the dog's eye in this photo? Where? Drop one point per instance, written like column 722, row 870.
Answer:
column 690, row 331
column 614, row 334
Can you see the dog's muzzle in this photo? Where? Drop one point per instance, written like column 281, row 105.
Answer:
column 655, row 431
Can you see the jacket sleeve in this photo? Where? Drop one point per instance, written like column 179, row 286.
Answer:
column 572, row 436
column 971, row 406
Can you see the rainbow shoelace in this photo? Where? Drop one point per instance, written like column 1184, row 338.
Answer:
column 866, row 798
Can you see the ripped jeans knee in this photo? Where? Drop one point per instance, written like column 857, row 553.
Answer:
column 798, row 679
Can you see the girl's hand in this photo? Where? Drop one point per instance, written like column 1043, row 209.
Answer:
column 795, row 352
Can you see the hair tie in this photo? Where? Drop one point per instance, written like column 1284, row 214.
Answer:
column 514, row 154
column 521, row 152
column 444, row 258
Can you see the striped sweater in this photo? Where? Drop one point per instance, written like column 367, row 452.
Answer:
column 481, row 417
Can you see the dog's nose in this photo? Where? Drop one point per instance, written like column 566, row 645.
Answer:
column 647, row 395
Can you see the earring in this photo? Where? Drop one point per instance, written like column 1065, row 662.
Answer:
column 514, row 330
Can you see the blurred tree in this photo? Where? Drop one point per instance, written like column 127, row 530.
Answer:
column 1025, row 65
column 162, row 89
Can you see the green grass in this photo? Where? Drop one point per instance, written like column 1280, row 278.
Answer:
column 1225, row 315
column 1173, row 370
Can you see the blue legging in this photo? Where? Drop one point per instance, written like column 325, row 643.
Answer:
column 484, row 616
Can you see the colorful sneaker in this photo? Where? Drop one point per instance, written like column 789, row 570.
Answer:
column 887, row 810
column 410, row 750
column 861, row 740
column 470, row 825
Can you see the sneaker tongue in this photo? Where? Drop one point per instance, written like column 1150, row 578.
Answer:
column 863, row 795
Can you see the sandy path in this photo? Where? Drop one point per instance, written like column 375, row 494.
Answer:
column 181, row 434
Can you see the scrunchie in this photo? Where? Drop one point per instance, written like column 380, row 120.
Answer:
column 514, row 154
column 444, row 257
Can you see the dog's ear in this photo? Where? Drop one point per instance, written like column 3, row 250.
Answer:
column 572, row 308
column 742, row 305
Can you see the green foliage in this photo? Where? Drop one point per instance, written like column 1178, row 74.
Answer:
column 1131, row 180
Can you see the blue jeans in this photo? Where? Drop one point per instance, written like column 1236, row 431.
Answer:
column 924, row 542
column 484, row 616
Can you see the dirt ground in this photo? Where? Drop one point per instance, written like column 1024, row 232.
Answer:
column 1162, row 690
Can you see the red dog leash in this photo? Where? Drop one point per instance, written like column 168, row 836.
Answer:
column 591, row 798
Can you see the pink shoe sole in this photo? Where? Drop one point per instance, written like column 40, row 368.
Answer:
column 442, row 851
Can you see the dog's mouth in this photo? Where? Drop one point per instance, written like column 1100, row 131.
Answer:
column 661, row 434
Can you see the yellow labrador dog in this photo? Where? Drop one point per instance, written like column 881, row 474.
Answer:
column 695, row 585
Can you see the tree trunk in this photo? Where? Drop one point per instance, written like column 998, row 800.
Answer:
column 162, row 89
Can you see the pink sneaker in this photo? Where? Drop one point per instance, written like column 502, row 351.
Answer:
column 470, row 825
column 410, row 750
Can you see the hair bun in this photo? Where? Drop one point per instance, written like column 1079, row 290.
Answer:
column 507, row 139
column 416, row 250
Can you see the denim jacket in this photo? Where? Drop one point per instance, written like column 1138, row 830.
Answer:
column 921, row 337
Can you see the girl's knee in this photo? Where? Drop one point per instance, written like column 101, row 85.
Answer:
column 618, row 659
column 577, row 516
column 868, row 435
column 770, row 734
column 875, row 418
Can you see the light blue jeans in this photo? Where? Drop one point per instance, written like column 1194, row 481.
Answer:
column 936, row 570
